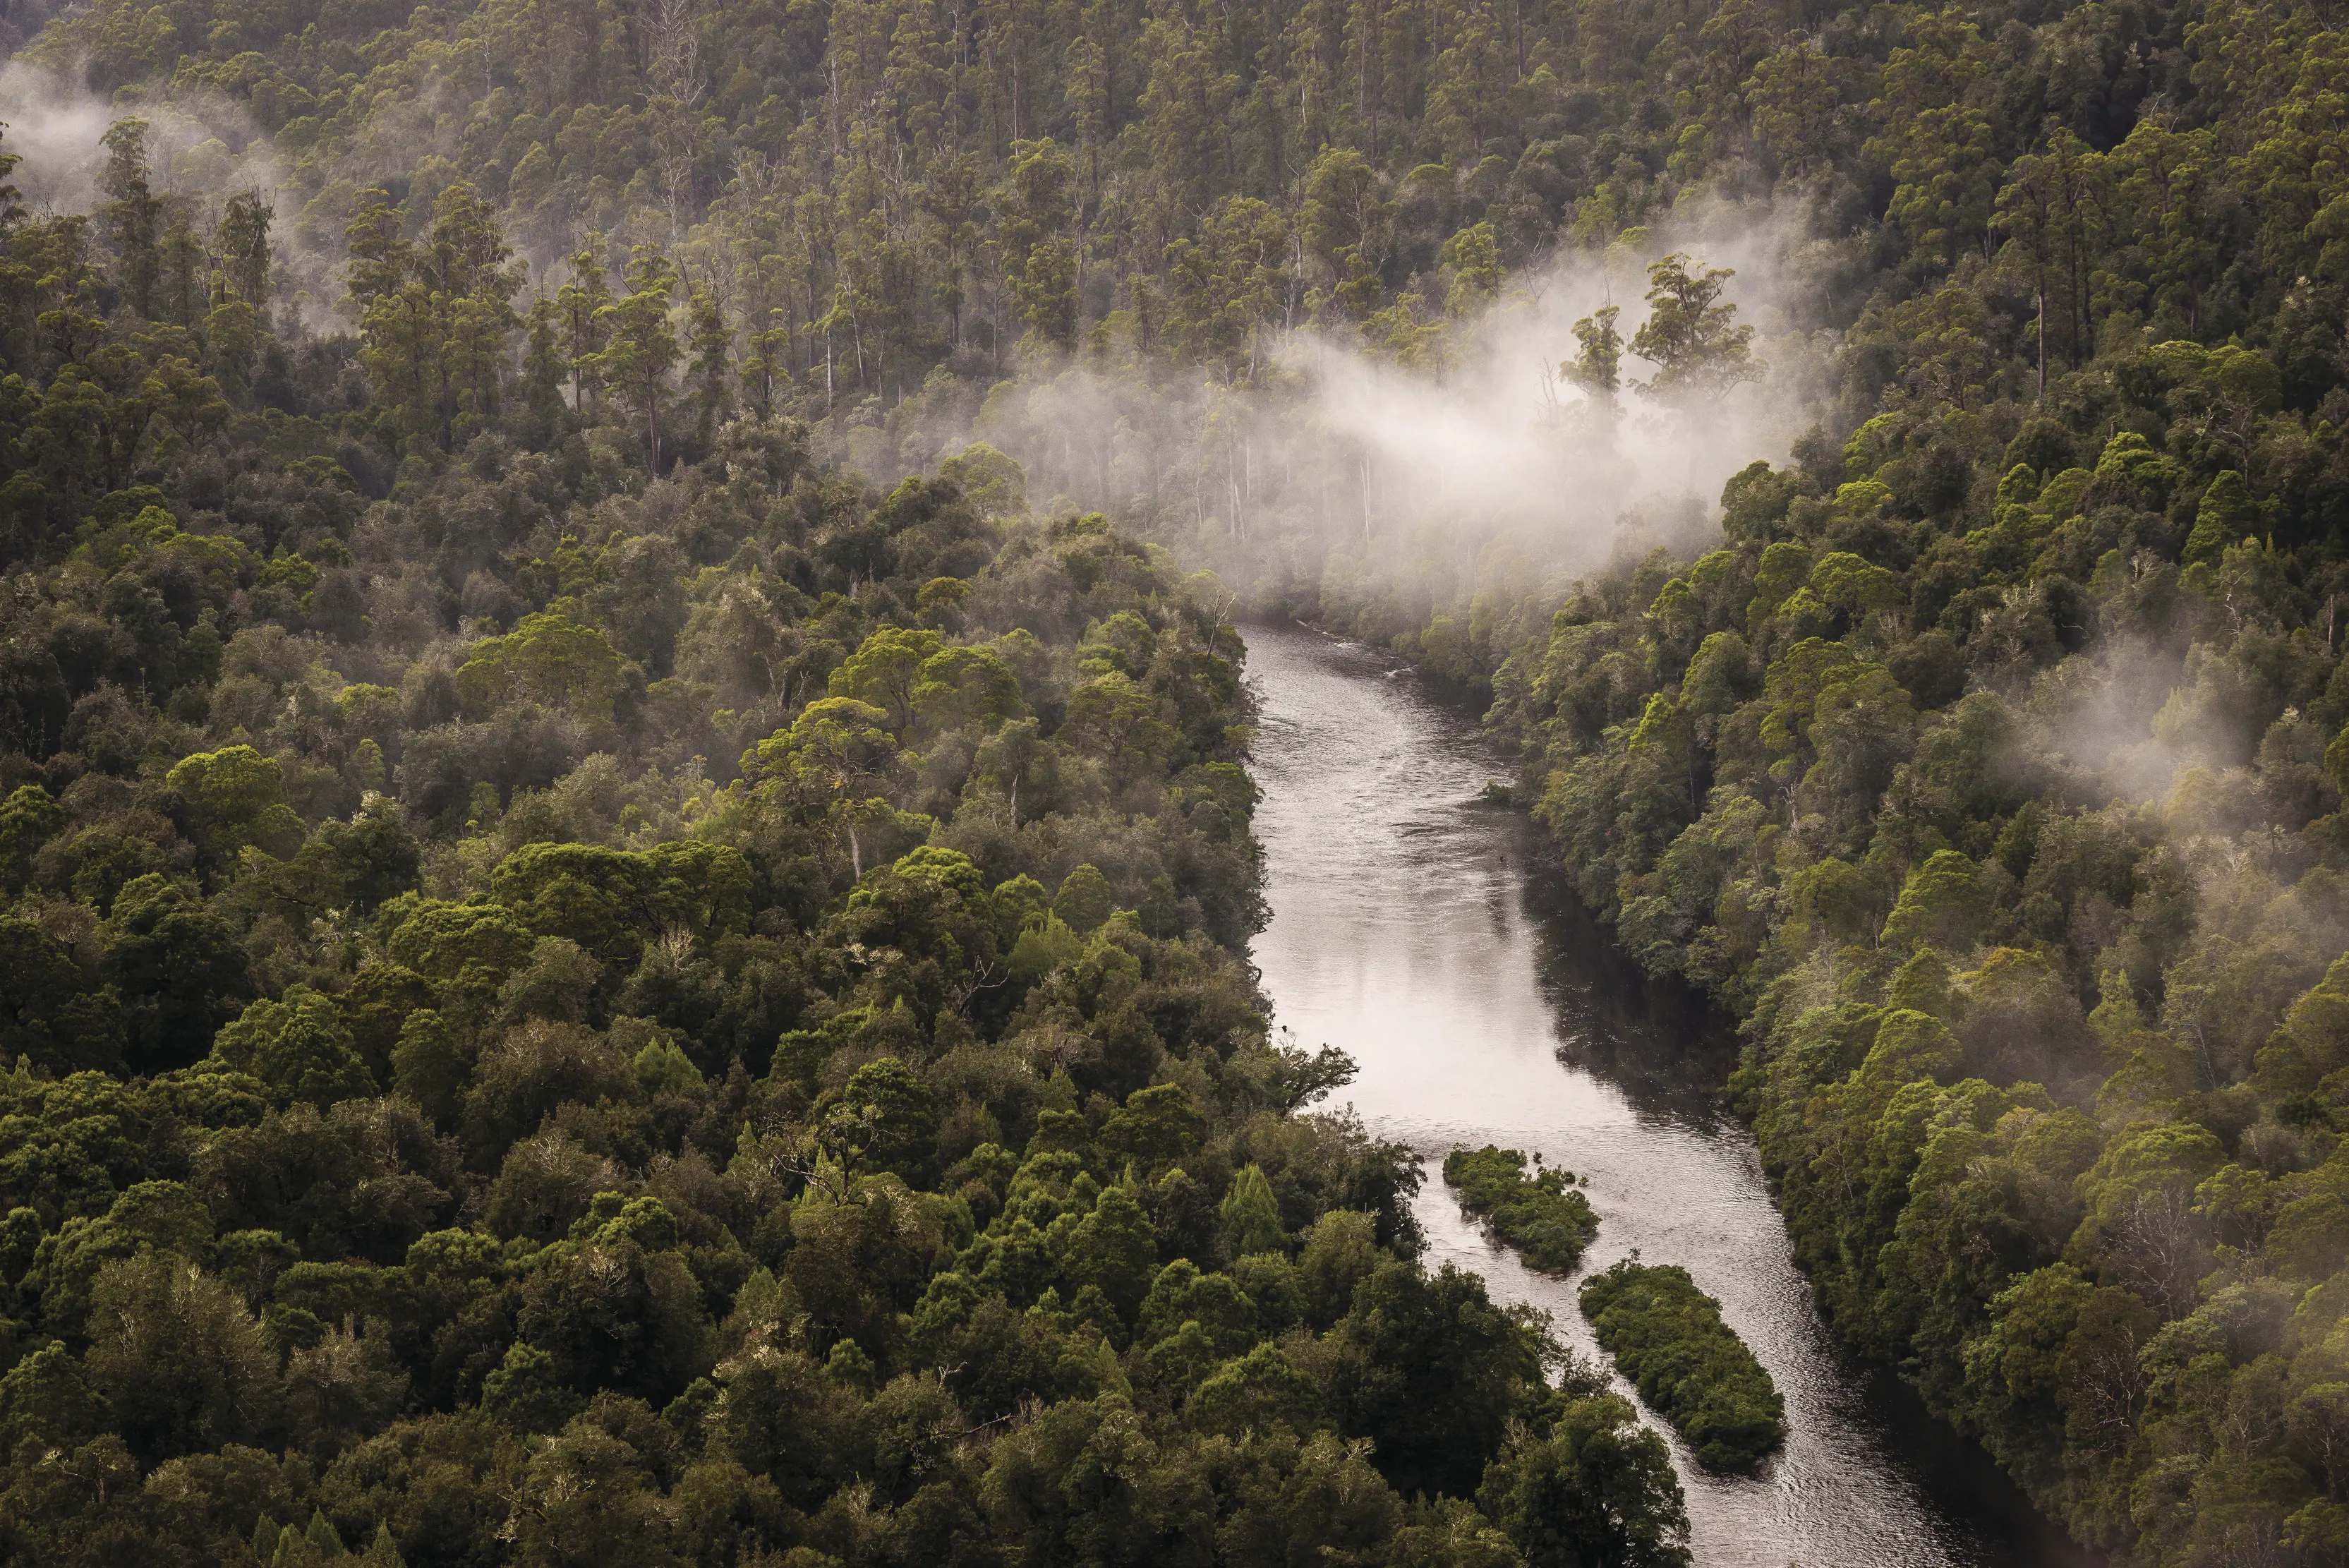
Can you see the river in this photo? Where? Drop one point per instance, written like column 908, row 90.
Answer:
column 1415, row 928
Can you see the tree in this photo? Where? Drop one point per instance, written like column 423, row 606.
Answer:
column 958, row 686
column 525, row 1393
column 1251, row 1217
column 713, row 375
column 429, row 1064
column 12, row 198
column 29, row 818
column 179, row 292
column 242, row 236
column 1691, row 334
column 549, row 659
column 1596, row 367
column 133, row 213
column 2030, row 213
column 465, row 262
column 380, row 254
column 1429, row 1370
column 1475, row 268
column 543, row 371
column 640, row 347
column 1598, row 1487
column 1941, row 904
column 183, row 1364
column 884, row 1121
column 1119, row 720
column 435, row 315
column 1115, row 1251
column 766, row 369
column 464, row 253
column 178, row 968
column 233, row 328
column 1039, row 261
column 1228, row 286
column 949, row 198
column 299, row 1047
column 886, row 670
column 402, row 347
column 1793, row 96
column 582, row 301
column 833, row 763
column 1341, row 223
column 1937, row 141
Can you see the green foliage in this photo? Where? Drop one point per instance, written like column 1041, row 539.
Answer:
column 1251, row 1216
column 178, row 966
column 235, row 797
column 884, row 1120
column 1083, row 901
column 1668, row 1337
column 442, row 1113
column 1596, row 1486
column 548, row 658
column 883, row 672
column 429, row 1064
column 605, row 899
column 1691, row 336
column 523, row 1392
column 2015, row 692
column 1544, row 1216
column 298, row 1045
column 28, row 819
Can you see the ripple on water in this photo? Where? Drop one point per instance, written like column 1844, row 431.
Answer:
column 1482, row 1007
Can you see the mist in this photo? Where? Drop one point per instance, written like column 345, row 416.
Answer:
column 1333, row 465
column 1342, row 466
column 202, row 150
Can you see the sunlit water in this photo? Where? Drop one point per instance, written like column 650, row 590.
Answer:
column 1413, row 925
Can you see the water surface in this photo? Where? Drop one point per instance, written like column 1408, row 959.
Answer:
column 1414, row 927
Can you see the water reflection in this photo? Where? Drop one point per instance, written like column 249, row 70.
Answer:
column 1412, row 926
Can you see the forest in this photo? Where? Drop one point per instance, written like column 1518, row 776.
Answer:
column 448, row 1120
column 588, row 984
column 626, row 930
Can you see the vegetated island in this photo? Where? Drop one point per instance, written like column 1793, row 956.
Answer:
column 1668, row 1337
column 1542, row 1215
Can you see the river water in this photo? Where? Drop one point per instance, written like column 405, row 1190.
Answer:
column 1415, row 928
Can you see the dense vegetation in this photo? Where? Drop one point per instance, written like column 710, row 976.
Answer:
column 1989, row 771
column 1668, row 1337
column 1544, row 1216
column 594, row 996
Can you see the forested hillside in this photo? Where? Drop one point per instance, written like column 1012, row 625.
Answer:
column 444, row 1121
column 640, row 996
column 580, row 984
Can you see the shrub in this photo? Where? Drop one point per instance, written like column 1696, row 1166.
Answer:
column 1668, row 1337
column 1544, row 1217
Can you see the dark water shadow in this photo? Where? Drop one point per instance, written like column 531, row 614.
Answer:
column 1659, row 1042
